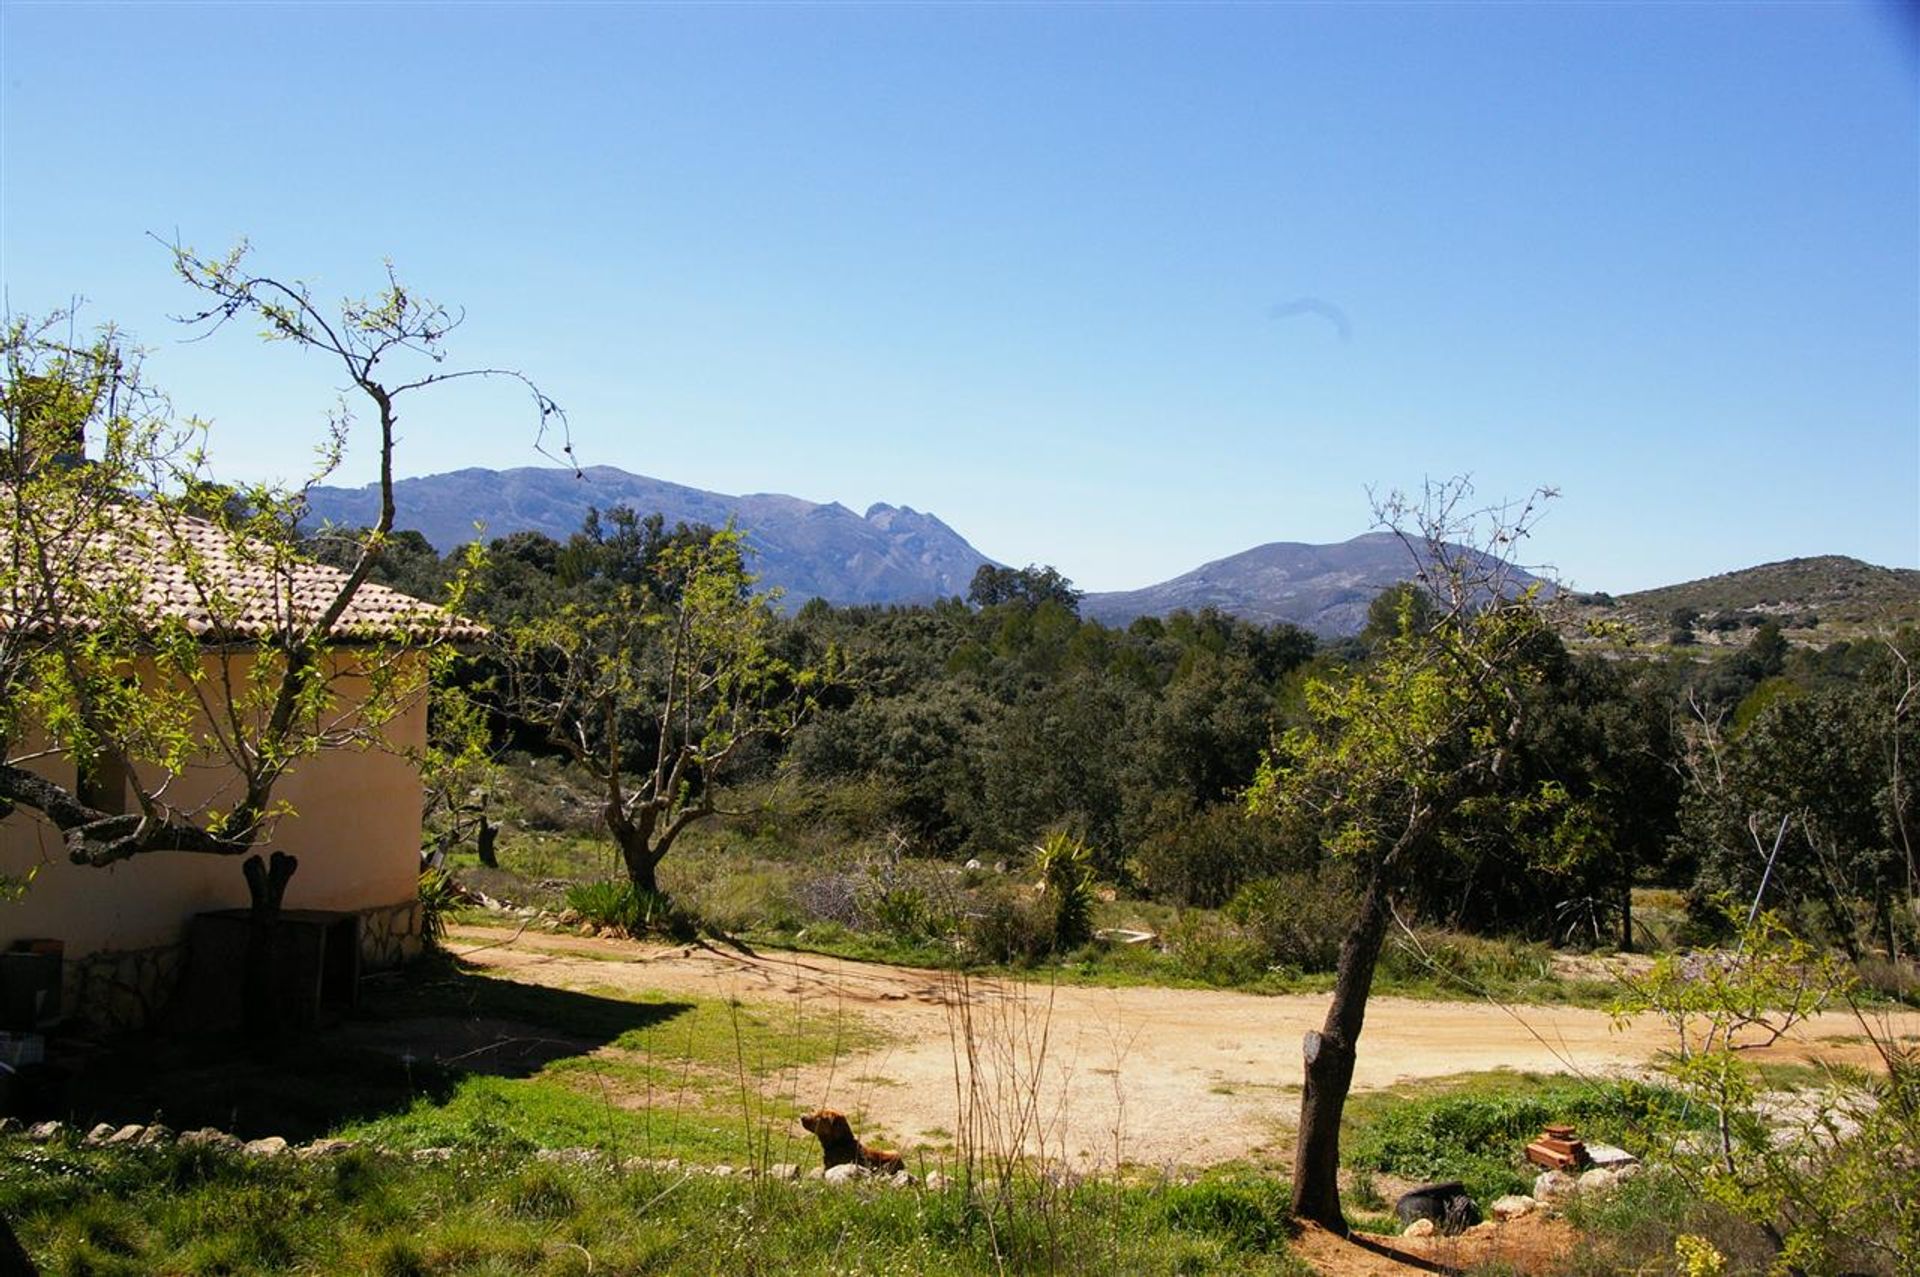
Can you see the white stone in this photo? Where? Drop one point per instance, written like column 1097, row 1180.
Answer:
column 326, row 1148
column 783, row 1170
column 1609, row 1158
column 902, row 1179
column 101, row 1133
column 1598, row 1179
column 125, row 1135
column 41, row 1132
column 720, row 1172
column 845, row 1173
column 1512, row 1206
column 1418, row 1228
column 155, row 1134
column 267, row 1146
column 937, row 1182
column 210, row 1137
column 1551, row 1185
column 432, row 1155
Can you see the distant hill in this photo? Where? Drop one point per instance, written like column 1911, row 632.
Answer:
column 1322, row 588
column 1816, row 600
column 891, row 554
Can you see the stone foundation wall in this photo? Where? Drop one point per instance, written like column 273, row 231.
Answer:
column 116, row 989
column 390, row 936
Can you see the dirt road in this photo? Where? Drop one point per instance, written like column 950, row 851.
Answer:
column 1092, row 1076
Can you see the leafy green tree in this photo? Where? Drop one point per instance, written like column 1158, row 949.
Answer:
column 100, row 671
column 655, row 687
column 1388, row 757
column 994, row 586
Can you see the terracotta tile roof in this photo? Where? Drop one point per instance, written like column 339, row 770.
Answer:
column 228, row 588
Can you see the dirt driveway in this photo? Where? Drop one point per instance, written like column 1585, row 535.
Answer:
column 1092, row 1076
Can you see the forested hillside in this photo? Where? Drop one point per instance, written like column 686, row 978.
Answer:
column 972, row 729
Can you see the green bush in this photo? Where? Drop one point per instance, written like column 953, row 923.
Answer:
column 1065, row 868
column 1459, row 962
column 1211, row 950
column 1201, row 858
column 619, row 904
column 1005, row 929
column 1296, row 921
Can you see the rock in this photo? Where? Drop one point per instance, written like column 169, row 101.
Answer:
column 432, row 1155
column 845, row 1173
column 902, row 1179
column 783, row 1170
column 325, row 1148
column 1609, row 1158
column 1596, row 1180
column 265, row 1146
column 1513, row 1206
column 125, row 1135
column 43, row 1132
column 210, row 1137
column 99, row 1135
column 937, row 1182
column 568, row 1156
column 10, row 1126
column 1446, row 1203
column 720, row 1172
column 1551, row 1186
column 818, row 1172
column 1422, row 1227
column 154, row 1136
column 973, row 865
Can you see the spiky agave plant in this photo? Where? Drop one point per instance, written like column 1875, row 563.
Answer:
column 1065, row 867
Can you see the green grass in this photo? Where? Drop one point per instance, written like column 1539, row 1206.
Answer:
column 1475, row 1127
column 191, row 1212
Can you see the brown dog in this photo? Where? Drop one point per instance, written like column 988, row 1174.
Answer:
column 839, row 1147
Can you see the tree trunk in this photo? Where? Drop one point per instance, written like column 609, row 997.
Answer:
column 484, row 840
column 14, row 1260
column 260, row 995
column 1329, row 1056
column 640, row 861
column 1626, row 915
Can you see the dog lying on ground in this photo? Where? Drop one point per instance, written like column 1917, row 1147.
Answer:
column 838, row 1146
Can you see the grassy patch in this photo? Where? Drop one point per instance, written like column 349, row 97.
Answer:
column 174, row 1211
column 1475, row 1127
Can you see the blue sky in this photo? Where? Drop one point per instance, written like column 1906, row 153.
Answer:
column 1072, row 277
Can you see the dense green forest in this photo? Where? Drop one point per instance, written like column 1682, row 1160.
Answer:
column 969, row 730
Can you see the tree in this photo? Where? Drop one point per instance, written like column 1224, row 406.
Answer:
column 994, row 585
column 100, row 669
column 1389, row 755
column 656, row 687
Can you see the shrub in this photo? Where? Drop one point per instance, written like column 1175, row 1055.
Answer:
column 1003, row 927
column 619, row 904
column 1296, row 921
column 1201, row 858
column 1065, row 867
column 1459, row 961
column 1209, row 949
column 439, row 896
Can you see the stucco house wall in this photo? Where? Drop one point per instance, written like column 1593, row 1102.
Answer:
column 355, row 828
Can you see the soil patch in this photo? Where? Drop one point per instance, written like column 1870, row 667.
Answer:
column 1093, row 1077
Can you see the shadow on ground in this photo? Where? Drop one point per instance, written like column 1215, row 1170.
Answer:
column 414, row 1036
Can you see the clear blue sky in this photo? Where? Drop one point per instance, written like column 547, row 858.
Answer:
column 1034, row 268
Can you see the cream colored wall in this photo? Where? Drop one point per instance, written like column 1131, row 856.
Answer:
column 356, row 832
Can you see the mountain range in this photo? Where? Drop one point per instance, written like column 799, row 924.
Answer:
column 891, row 554
column 896, row 554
